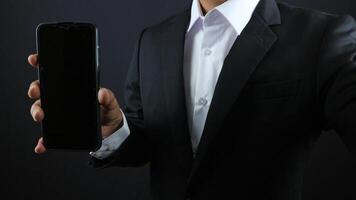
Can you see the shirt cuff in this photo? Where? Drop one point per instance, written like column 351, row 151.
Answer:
column 112, row 142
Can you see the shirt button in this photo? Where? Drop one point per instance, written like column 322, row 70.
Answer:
column 207, row 52
column 202, row 101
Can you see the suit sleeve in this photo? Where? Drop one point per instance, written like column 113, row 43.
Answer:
column 111, row 143
column 337, row 79
column 135, row 150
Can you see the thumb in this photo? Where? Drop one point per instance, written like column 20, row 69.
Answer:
column 107, row 99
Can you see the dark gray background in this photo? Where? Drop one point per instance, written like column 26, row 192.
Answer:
column 331, row 174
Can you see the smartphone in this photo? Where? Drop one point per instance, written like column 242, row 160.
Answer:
column 69, row 82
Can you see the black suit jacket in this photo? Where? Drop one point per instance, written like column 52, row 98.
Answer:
column 290, row 75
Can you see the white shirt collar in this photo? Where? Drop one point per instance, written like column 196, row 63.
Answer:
column 237, row 12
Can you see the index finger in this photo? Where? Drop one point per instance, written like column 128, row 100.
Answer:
column 33, row 60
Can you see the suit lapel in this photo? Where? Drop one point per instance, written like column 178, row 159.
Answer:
column 247, row 51
column 172, row 41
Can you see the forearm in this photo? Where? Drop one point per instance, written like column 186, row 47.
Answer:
column 337, row 80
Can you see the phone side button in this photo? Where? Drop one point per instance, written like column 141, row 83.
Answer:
column 97, row 56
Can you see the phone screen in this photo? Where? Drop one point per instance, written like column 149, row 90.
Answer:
column 68, row 74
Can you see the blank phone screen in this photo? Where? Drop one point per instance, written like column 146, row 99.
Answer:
column 69, row 82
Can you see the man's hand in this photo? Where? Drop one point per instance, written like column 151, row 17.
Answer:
column 111, row 117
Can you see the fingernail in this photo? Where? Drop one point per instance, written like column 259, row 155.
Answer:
column 35, row 116
column 29, row 92
column 31, row 111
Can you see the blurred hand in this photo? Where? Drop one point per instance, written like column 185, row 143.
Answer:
column 111, row 116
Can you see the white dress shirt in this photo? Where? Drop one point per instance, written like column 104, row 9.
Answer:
column 208, row 40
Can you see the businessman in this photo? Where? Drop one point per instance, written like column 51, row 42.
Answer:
column 226, row 99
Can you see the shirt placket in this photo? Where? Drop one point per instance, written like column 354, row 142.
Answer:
column 204, row 85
